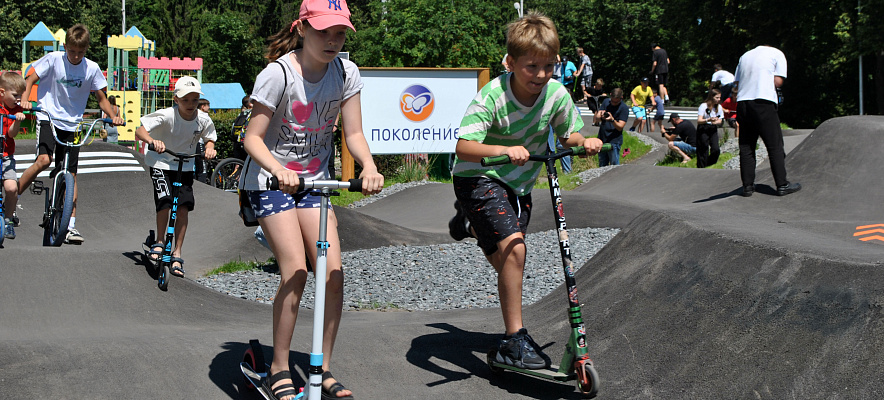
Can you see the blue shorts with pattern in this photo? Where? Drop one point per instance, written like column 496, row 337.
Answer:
column 268, row 202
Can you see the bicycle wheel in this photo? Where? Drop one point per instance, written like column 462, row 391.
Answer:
column 56, row 227
column 226, row 174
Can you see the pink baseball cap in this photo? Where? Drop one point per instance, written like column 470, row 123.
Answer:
column 322, row 14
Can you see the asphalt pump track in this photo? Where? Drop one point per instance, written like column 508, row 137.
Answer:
column 703, row 294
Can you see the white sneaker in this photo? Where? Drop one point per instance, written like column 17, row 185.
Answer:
column 73, row 237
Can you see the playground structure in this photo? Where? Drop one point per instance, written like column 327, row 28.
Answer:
column 140, row 89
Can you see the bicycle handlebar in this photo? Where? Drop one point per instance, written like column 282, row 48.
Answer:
column 353, row 185
column 85, row 137
column 505, row 159
column 180, row 156
column 105, row 120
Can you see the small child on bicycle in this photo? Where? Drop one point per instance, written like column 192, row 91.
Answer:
column 178, row 128
column 511, row 116
column 288, row 137
column 12, row 85
column 67, row 78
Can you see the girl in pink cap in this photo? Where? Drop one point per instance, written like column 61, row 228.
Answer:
column 297, row 99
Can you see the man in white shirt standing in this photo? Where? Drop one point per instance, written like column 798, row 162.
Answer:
column 725, row 80
column 760, row 74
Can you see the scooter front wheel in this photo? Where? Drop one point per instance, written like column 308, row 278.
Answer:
column 587, row 378
column 163, row 279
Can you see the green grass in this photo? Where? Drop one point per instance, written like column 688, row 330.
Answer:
column 673, row 160
column 239, row 265
column 571, row 180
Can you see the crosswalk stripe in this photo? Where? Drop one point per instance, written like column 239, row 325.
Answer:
column 686, row 115
column 93, row 161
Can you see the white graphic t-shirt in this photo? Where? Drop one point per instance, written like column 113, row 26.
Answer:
column 300, row 132
column 64, row 88
column 178, row 134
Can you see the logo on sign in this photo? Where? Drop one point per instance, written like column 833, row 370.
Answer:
column 416, row 103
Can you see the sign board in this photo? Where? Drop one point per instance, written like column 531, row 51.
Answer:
column 416, row 110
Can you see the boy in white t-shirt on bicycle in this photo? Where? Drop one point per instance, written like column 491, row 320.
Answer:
column 178, row 128
column 67, row 78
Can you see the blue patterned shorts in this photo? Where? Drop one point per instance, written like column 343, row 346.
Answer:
column 267, row 203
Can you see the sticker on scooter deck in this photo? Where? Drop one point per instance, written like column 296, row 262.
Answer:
column 256, row 379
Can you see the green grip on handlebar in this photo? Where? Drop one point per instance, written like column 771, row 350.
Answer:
column 580, row 150
column 496, row 160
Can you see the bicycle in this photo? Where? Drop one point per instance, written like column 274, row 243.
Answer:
column 226, row 174
column 163, row 262
column 60, row 200
column 576, row 364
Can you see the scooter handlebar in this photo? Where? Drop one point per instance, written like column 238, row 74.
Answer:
column 505, row 159
column 353, row 185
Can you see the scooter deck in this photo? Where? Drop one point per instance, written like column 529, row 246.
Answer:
column 551, row 373
column 256, row 379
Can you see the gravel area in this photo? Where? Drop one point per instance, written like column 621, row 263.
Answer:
column 733, row 146
column 437, row 277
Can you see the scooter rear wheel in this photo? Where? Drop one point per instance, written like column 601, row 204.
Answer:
column 587, row 379
column 249, row 359
column 492, row 355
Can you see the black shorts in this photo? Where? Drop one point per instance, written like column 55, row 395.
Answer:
column 47, row 145
column 493, row 210
column 662, row 79
column 162, row 188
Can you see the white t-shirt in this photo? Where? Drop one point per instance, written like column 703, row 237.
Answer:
column 300, row 133
column 178, row 134
column 716, row 112
column 723, row 76
column 756, row 73
column 64, row 87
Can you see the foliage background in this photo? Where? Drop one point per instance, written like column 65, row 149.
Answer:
column 822, row 39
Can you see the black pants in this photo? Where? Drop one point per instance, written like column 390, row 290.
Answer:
column 759, row 119
column 708, row 148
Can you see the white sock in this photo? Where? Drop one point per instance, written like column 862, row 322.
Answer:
column 72, row 223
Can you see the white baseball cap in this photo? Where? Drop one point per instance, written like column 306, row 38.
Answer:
column 186, row 85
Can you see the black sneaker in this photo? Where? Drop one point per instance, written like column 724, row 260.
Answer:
column 788, row 188
column 748, row 190
column 519, row 350
column 459, row 226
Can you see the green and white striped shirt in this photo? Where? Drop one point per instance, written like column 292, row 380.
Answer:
column 495, row 117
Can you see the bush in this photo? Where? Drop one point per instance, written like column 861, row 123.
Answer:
column 223, row 121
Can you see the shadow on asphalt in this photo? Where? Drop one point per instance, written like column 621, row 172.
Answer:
column 466, row 351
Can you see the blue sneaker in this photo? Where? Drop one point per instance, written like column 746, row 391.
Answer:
column 10, row 231
column 520, row 350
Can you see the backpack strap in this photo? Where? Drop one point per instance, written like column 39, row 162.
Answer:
column 285, row 79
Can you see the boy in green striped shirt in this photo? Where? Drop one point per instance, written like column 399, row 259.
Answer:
column 511, row 115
